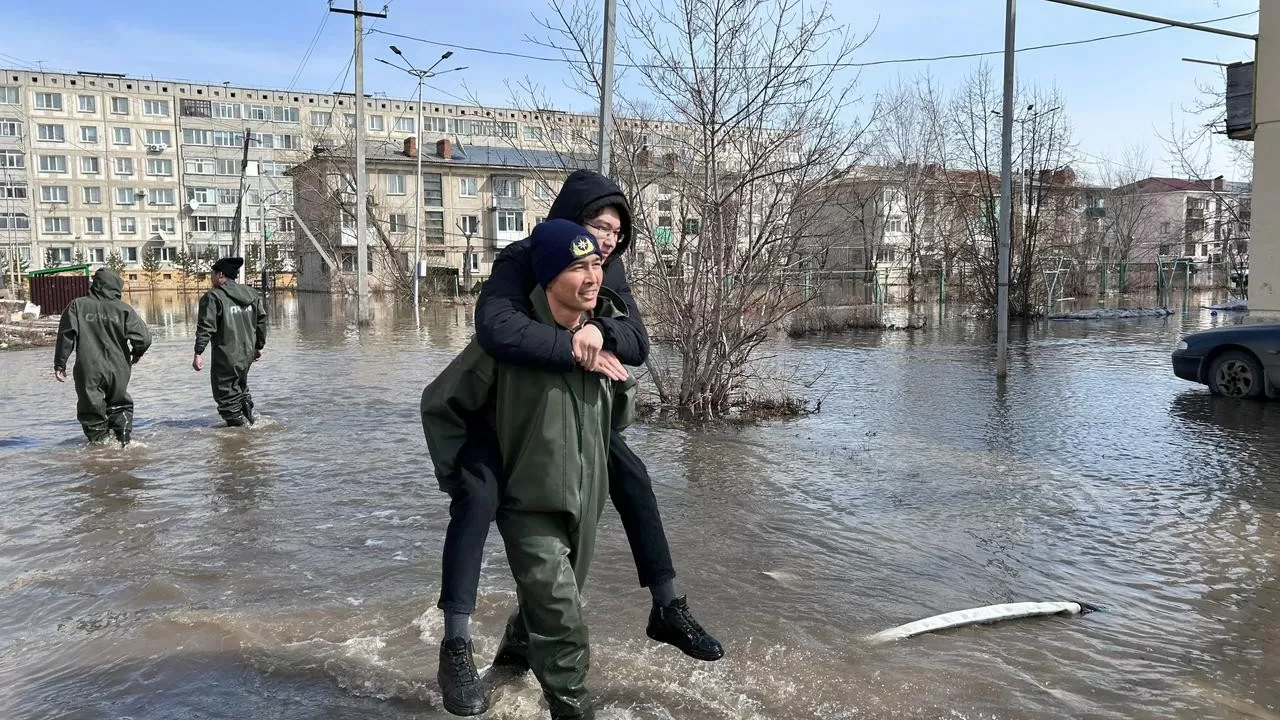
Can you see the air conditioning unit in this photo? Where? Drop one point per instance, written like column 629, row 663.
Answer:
column 157, row 147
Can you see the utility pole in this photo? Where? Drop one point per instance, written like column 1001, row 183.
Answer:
column 418, row 185
column 262, row 221
column 606, row 87
column 362, row 180
column 236, row 236
column 1006, row 197
column 466, row 231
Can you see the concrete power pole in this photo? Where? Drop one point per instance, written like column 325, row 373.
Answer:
column 362, row 179
column 1006, row 197
column 606, row 87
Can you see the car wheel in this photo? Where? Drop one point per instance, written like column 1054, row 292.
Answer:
column 1236, row 374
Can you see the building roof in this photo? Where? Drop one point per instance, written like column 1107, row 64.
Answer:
column 479, row 156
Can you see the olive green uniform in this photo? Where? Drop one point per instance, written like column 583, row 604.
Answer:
column 233, row 322
column 107, row 337
column 553, row 431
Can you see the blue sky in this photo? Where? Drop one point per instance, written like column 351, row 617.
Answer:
column 1119, row 93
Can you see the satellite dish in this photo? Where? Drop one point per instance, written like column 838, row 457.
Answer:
column 194, row 205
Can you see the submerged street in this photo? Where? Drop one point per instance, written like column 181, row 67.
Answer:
column 290, row 570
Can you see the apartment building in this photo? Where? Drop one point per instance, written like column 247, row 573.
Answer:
column 1207, row 221
column 476, row 200
column 95, row 164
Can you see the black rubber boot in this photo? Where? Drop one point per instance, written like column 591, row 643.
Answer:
column 675, row 625
column 513, row 651
column 460, row 685
column 236, row 421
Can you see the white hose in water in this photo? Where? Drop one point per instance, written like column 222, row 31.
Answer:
column 981, row 616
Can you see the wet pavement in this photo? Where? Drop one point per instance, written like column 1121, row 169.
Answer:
column 291, row 570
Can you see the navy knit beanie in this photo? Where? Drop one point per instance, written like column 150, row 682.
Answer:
column 557, row 244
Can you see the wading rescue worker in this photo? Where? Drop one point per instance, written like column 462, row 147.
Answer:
column 231, row 319
column 552, row 429
column 508, row 330
column 108, row 339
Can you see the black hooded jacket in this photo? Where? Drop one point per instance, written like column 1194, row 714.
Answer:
column 505, row 325
column 105, row 333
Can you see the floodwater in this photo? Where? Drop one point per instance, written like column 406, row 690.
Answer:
column 291, row 570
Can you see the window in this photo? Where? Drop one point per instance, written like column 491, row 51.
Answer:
column 201, row 223
column 155, row 108
column 12, row 159
column 349, row 119
column 51, row 133
column 1164, row 227
column 128, row 225
column 228, row 196
column 467, row 187
column 434, row 124
column 204, row 196
column 121, row 136
column 432, row 189
column 475, row 262
column 88, row 103
column 506, row 187
column 160, row 166
column 532, row 132
column 197, row 137
column 321, row 119
column 57, row 225
column 125, row 196
column 97, row 255
column 92, row 195
column 399, row 223
column 90, row 165
column 53, row 193
column 199, row 166
column 164, row 225
column 506, row 129
column 434, row 230
column 664, row 205
column 48, row 101
column 119, row 106
column 162, row 196
column 124, row 166
column 13, row 190
column 272, row 169
column 88, row 133
column 285, row 224
column 58, row 256
column 284, row 114
column 404, row 124
column 10, row 127
column 10, row 96
column 228, row 167
column 258, row 112
column 129, row 254
column 15, row 221
column 510, row 221
column 376, row 123
column 159, row 137
column 226, row 138
column 168, row 254
column 893, row 224
column 470, row 224
column 542, row 191
column 394, row 183
column 227, row 110
column 93, row 226
column 53, row 163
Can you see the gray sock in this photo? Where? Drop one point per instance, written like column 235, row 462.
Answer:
column 663, row 593
column 457, row 624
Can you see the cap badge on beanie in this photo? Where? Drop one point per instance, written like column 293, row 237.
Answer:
column 582, row 246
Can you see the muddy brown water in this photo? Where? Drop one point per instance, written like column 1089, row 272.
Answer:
column 291, row 570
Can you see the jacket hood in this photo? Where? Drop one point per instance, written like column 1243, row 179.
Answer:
column 243, row 295
column 586, row 191
column 106, row 285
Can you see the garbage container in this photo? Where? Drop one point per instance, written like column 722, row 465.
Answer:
column 55, row 288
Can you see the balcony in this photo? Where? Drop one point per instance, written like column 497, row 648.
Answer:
column 508, row 203
column 1195, row 213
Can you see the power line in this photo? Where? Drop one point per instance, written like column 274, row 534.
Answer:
column 868, row 63
column 306, row 56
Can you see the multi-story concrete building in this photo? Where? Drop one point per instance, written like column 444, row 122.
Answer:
column 1207, row 221
column 95, row 164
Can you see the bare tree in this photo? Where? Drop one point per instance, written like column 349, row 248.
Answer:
column 1041, row 154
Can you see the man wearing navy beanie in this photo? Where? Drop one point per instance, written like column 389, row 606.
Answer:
column 554, row 492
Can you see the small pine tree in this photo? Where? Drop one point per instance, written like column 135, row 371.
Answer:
column 151, row 265
column 51, row 259
column 188, row 265
column 115, row 262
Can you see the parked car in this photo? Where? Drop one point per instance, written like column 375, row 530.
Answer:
column 1241, row 361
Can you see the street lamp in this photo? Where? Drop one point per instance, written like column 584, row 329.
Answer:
column 421, row 75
